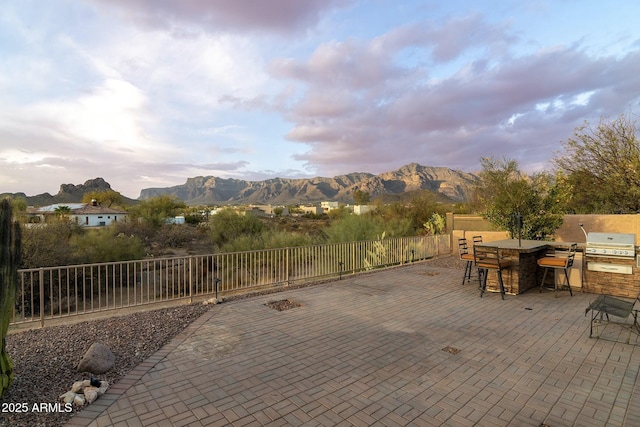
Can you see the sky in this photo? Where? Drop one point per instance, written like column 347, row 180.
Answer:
column 149, row 93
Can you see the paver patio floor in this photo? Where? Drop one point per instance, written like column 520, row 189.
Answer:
column 405, row 346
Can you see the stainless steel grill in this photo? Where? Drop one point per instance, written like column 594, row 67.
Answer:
column 611, row 245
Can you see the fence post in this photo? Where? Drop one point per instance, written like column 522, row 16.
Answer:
column 41, row 285
column 190, row 280
column 286, row 263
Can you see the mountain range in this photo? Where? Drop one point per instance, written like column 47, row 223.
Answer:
column 448, row 184
column 451, row 185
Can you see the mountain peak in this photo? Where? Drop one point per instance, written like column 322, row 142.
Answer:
column 453, row 184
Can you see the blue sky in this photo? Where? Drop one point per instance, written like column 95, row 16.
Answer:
column 148, row 93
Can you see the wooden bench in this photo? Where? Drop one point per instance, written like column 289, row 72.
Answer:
column 607, row 305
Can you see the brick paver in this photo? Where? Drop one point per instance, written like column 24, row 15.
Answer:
column 406, row 346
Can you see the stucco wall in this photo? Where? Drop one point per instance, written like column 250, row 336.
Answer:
column 570, row 230
column 470, row 225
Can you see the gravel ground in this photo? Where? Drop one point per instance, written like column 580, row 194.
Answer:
column 45, row 359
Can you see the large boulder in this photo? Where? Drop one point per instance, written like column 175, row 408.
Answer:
column 97, row 360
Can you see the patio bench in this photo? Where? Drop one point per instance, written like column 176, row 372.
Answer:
column 607, row 305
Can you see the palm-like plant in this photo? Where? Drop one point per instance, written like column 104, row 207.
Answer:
column 9, row 261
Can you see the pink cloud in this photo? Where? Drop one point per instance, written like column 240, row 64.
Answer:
column 359, row 104
column 226, row 15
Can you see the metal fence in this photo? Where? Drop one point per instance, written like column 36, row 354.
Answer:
column 58, row 292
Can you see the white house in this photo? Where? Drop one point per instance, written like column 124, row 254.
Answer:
column 85, row 214
column 329, row 206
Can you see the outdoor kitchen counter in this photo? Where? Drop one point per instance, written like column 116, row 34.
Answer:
column 524, row 254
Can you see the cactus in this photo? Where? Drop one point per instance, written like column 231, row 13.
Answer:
column 9, row 261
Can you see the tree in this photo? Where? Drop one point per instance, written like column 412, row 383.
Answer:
column 62, row 213
column 10, row 252
column 602, row 167
column 157, row 210
column 227, row 225
column 407, row 218
column 504, row 191
column 48, row 245
column 361, row 197
column 351, row 228
column 102, row 245
column 105, row 198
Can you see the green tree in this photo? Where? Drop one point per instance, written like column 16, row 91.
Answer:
column 62, row 213
column 407, row 218
column 361, row 197
column 228, row 225
column 505, row 191
column 102, row 245
column 157, row 210
column 107, row 198
column 602, row 167
column 49, row 245
column 267, row 239
column 351, row 228
column 10, row 252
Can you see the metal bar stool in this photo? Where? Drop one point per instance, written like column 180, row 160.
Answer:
column 558, row 262
column 463, row 250
column 488, row 258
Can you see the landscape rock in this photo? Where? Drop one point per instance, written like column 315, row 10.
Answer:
column 104, row 385
column 79, row 400
column 68, row 397
column 97, row 360
column 90, row 394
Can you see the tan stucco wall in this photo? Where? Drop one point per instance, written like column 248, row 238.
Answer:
column 470, row 225
column 570, row 230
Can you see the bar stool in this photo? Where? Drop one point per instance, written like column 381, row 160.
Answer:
column 556, row 262
column 488, row 258
column 463, row 251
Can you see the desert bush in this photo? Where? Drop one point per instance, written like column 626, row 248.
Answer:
column 48, row 245
column 351, row 228
column 102, row 245
column 175, row 236
column 269, row 239
column 157, row 210
column 228, row 225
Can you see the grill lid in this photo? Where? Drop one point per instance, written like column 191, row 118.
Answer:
column 618, row 244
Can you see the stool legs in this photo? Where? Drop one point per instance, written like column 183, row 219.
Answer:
column 467, row 272
column 555, row 283
column 483, row 281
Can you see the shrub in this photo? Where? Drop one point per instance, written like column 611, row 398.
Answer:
column 350, row 228
column 103, row 246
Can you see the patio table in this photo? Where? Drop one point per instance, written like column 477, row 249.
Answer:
column 522, row 275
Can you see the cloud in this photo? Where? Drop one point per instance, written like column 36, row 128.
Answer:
column 279, row 16
column 357, row 103
column 147, row 93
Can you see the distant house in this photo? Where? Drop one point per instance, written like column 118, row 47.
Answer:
column 312, row 209
column 360, row 209
column 85, row 214
column 329, row 206
column 269, row 210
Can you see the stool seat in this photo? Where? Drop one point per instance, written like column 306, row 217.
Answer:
column 552, row 262
column 468, row 258
column 488, row 258
column 558, row 262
